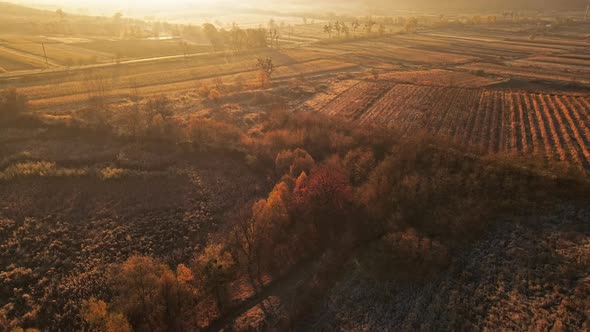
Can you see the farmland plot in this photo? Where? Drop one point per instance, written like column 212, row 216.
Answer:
column 527, row 72
column 321, row 99
column 64, row 53
column 549, row 126
column 12, row 60
column 439, row 77
column 355, row 101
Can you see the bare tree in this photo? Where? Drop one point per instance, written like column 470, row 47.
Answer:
column 328, row 29
column 338, row 28
column 369, row 25
column 185, row 48
column 355, row 26
column 60, row 13
column 274, row 37
column 267, row 67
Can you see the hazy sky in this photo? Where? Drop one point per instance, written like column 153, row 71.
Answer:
column 184, row 10
column 167, row 9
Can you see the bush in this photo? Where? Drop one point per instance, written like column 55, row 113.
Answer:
column 210, row 134
column 39, row 169
column 293, row 162
column 407, row 255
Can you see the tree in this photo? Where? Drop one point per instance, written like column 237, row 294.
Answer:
column 328, row 29
column 338, row 28
column 117, row 17
column 95, row 314
column 212, row 35
column 411, row 25
column 293, row 162
column 117, row 323
column 273, row 35
column 248, row 239
column 5, row 324
column 238, row 38
column 326, row 198
column 346, row 30
column 60, row 13
column 185, row 49
column 355, row 26
column 149, row 295
column 138, row 289
column 369, row 25
column 266, row 67
column 215, row 268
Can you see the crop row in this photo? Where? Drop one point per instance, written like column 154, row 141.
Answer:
column 550, row 126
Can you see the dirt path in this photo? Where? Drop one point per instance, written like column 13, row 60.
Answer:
column 281, row 287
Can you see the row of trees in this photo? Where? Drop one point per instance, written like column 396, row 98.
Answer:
column 369, row 27
column 238, row 39
column 150, row 296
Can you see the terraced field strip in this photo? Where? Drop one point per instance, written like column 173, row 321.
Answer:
column 534, row 73
column 439, row 77
column 19, row 60
column 62, row 53
column 321, row 99
column 581, row 69
column 355, row 101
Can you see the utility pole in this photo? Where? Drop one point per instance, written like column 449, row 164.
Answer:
column 45, row 53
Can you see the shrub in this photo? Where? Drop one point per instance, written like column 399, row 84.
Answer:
column 214, row 95
column 407, row 255
column 41, row 169
column 160, row 105
column 210, row 134
column 112, row 173
column 293, row 162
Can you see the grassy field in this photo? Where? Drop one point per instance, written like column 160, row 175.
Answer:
column 133, row 49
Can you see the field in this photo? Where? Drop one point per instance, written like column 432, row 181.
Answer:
column 439, row 77
column 173, row 177
column 554, row 127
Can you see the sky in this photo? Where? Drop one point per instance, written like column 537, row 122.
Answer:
column 173, row 8
column 182, row 11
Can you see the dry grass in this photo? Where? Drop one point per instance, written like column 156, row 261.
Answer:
column 63, row 53
column 439, row 77
column 524, row 274
column 526, row 72
column 13, row 60
column 39, row 169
